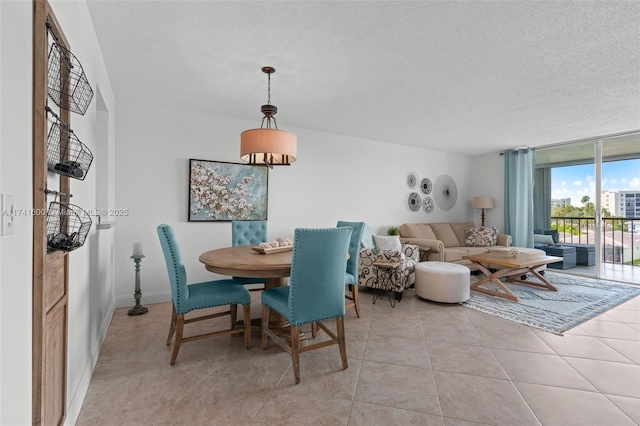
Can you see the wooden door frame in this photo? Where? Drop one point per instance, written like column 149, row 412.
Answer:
column 47, row 306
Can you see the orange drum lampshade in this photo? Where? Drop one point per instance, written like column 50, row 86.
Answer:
column 268, row 146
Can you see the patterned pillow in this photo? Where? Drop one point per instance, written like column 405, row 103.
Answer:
column 481, row 236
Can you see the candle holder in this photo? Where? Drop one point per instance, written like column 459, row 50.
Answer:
column 138, row 309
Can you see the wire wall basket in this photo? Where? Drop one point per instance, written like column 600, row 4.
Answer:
column 67, row 226
column 66, row 155
column 68, row 84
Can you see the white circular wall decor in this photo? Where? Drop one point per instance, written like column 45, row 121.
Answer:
column 445, row 192
column 426, row 185
column 412, row 178
column 414, row 201
column 427, row 204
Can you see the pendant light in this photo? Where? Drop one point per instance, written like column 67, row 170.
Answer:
column 268, row 145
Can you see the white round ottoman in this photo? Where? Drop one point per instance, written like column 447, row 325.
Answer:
column 443, row 282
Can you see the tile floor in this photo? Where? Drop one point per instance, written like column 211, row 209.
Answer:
column 417, row 364
column 608, row 271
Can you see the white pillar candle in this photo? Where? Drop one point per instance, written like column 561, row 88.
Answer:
column 137, row 249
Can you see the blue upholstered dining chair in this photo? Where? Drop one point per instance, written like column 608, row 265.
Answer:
column 315, row 292
column 249, row 233
column 190, row 297
column 351, row 275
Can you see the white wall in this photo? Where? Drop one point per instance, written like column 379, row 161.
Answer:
column 15, row 178
column 88, row 299
column 489, row 180
column 335, row 178
column 91, row 300
column 1, row 84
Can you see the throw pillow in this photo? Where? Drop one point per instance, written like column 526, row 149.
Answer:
column 554, row 234
column 481, row 236
column 390, row 242
column 543, row 239
column 367, row 237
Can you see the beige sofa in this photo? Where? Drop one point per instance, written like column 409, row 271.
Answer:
column 446, row 241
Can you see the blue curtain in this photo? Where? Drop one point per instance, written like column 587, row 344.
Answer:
column 518, row 193
column 542, row 199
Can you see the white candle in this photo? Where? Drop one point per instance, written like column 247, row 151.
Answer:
column 137, row 249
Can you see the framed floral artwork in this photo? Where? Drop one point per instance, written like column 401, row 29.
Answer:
column 221, row 191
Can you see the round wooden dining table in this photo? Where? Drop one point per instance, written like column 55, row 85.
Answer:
column 243, row 261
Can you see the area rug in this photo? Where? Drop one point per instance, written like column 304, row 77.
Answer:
column 577, row 300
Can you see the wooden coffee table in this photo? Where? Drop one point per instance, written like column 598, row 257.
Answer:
column 512, row 268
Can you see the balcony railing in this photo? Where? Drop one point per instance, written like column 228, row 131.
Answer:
column 620, row 236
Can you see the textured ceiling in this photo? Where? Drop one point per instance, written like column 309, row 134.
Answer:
column 462, row 77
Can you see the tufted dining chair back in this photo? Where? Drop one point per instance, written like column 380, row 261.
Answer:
column 351, row 274
column 175, row 268
column 319, row 257
column 315, row 292
column 249, row 233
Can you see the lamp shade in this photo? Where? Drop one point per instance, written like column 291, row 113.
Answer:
column 268, row 146
column 483, row 202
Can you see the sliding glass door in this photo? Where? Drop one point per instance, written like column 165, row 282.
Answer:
column 589, row 192
column 621, row 207
column 568, row 202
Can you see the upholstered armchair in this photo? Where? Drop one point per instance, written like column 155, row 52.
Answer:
column 400, row 278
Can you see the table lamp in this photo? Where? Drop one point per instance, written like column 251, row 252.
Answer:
column 482, row 202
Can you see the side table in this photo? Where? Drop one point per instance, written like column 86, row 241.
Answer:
column 384, row 276
column 423, row 253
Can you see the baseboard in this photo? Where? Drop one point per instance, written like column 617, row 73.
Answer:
column 147, row 299
column 76, row 401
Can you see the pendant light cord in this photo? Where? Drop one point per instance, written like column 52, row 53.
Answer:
column 269, row 89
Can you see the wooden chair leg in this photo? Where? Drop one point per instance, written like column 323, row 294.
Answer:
column 172, row 328
column 176, row 344
column 314, row 330
column 265, row 323
column 233, row 309
column 247, row 325
column 356, row 300
column 342, row 342
column 295, row 351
